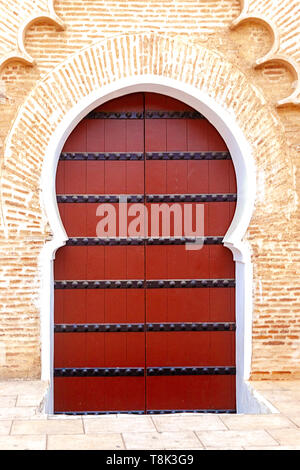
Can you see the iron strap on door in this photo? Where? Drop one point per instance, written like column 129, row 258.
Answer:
column 137, row 156
column 137, row 372
column 141, row 284
column 149, row 412
column 141, row 327
column 98, row 198
column 145, row 115
column 94, row 241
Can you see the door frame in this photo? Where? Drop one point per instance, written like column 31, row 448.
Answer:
column 244, row 165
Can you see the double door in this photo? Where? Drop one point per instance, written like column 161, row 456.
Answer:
column 144, row 308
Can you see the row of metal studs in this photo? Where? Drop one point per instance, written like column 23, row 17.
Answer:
column 93, row 241
column 141, row 327
column 138, row 372
column 155, row 284
column 129, row 156
column 188, row 156
column 214, row 411
column 112, row 198
column 99, row 372
column 97, row 413
column 141, row 412
column 160, row 371
column 98, row 198
column 231, row 197
column 144, row 115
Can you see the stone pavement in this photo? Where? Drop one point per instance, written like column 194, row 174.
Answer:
column 24, row 425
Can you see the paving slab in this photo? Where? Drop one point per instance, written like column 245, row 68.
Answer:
column 294, row 417
column 161, row 440
column 191, row 422
column 119, row 423
column 274, row 448
column 235, row 439
column 30, row 399
column 8, row 401
column 256, row 422
column 46, row 426
column 111, row 441
column 17, row 412
column 291, row 406
column 281, row 396
column 5, row 426
column 23, row 442
column 286, row 437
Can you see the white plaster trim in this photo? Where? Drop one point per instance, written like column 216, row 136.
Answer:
column 243, row 161
column 253, row 402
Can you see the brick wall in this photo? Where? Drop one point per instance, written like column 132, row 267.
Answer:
column 29, row 94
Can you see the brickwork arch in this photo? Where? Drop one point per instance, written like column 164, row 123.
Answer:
column 122, row 64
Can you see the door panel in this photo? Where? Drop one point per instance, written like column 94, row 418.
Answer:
column 187, row 393
column 142, row 323
column 169, row 348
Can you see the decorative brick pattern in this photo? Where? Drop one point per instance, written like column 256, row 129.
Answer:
column 16, row 18
column 277, row 16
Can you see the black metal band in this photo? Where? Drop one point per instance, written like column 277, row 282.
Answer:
column 99, row 372
column 99, row 284
column 184, row 240
column 141, row 327
column 145, row 115
column 138, row 156
column 231, row 197
column 98, row 413
column 173, row 115
column 94, row 241
column 207, row 326
column 138, row 284
column 101, row 156
column 207, row 410
column 133, row 198
column 99, row 198
column 99, row 328
column 188, row 156
column 139, row 372
column 159, row 371
column 190, row 283
column 115, row 115
column 141, row 412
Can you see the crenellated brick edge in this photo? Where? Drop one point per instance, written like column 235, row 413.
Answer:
column 277, row 53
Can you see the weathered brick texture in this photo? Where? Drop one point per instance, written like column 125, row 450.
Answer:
column 105, row 40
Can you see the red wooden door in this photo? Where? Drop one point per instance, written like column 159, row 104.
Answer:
column 143, row 324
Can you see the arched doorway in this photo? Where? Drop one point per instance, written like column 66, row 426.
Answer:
column 144, row 324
